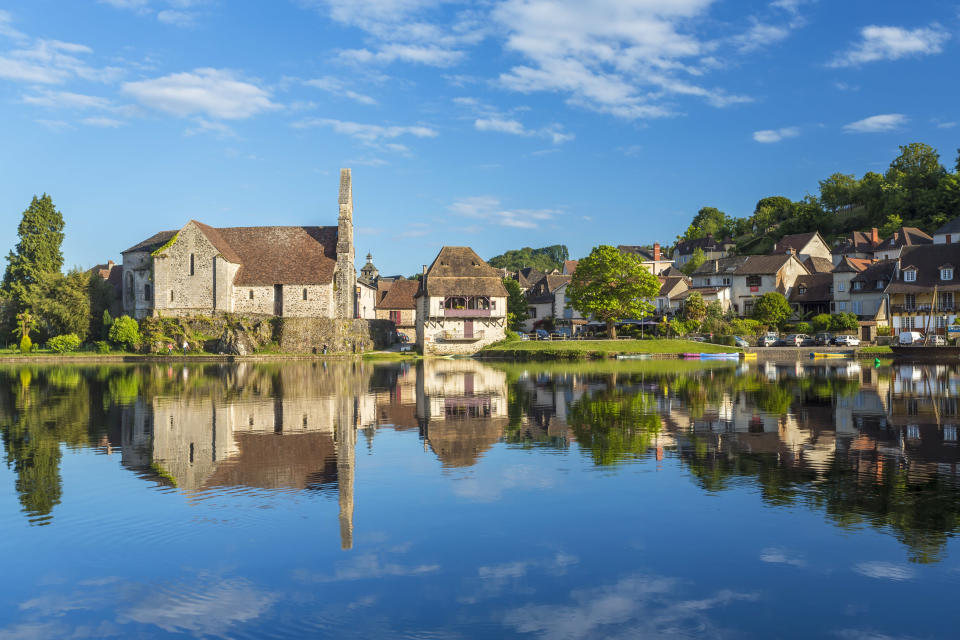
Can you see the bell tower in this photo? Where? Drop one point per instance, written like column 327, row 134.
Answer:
column 345, row 276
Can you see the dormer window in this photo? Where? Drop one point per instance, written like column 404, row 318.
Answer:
column 881, row 284
column 801, row 290
column 910, row 275
column 946, row 273
column 857, row 286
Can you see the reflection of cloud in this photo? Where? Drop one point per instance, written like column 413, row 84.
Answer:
column 493, row 579
column 639, row 606
column 861, row 634
column 884, row 571
column 207, row 610
column 779, row 556
column 365, row 567
column 490, row 489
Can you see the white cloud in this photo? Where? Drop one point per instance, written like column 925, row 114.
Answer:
column 779, row 556
column 66, row 100
column 6, row 28
column 127, row 4
column 428, row 55
column 372, row 134
column 892, row 43
column 885, row 571
column 111, row 123
column 337, row 86
column 767, row 136
column 877, row 124
column 945, row 125
column 54, row 125
column 366, row 567
column 52, row 62
column 217, row 93
column 760, row 35
column 489, row 209
column 177, row 18
column 513, row 127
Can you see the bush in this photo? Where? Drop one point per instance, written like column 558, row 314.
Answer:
column 845, row 321
column 26, row 344
column 511, row 336
column 884, row 331
column 102, row 346
column 125, row 333
column 64, row 343
column 803, row 327
column 821, row 322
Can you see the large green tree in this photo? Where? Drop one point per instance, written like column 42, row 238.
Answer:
column 839, row 190
column 610, row 285
column 36, row 255
column 544, row 259
column 517, row 307
column 709, row 220
column 772, row 308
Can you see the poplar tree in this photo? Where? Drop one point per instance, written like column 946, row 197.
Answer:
column 37, row 253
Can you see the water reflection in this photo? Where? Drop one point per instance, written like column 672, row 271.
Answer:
column 865, row 446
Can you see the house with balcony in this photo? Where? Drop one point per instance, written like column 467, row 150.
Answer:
column 902, row 238
column 461, row 304
column 867, row 292
column 923, row 289
column 758, row 275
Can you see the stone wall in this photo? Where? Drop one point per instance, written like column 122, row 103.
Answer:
column 192, row 292
column 309, row 335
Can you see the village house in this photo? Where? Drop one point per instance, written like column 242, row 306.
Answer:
column 924, row 288
column 279, row 271
column 367, row 297
column 671, row 295
column 903, row 237
column 811, row 294
column 461, row 304
column 842, row 275
column 948, row 233
column 112, row 274
column 867, row 291
column 569, row 266
column 859, row 245
column 712, row 248
column 547, row 305
column 652, row 258
column 714, row 278
column 816, row 264
column 758, row 275
column 568, row 320
column 804, row 245
column 399, row 307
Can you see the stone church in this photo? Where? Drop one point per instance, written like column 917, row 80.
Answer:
column 280, row 271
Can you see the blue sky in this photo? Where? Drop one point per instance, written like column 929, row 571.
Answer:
column 496, row 124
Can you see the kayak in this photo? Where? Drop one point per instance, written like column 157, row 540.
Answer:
column 816, row 354
column 690, row 356
column 633, row 356
column 720, row 356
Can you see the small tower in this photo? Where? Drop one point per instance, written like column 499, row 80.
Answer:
column 345, row 278
column 369, row 272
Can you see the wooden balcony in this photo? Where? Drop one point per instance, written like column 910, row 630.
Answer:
column 466, row 313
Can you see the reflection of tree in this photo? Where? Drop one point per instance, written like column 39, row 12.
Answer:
column 615, row 425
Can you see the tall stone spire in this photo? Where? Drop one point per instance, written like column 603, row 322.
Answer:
column 345, row 278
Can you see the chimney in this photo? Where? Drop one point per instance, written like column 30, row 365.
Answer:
column 656, row 252
column 110, row 264
column 875, row 236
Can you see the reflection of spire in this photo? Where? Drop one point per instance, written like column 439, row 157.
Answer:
column 346, row 454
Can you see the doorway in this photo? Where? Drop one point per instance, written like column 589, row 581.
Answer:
column 468, row 328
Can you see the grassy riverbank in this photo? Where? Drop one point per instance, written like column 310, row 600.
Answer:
column 546, row 349
column 875, row 351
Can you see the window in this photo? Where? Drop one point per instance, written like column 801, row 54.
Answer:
column 910, row 275
column 395, row 317
column 493, row 304
column 881, row 284
column 946, row 301
column 941, row 322
column 842, row 305
column 801, row 290
column 726, row 282
column 946, row 274
column 171, row 295
column 251, row 294
column 907, row 323
column 857, row 307
column 841, row 287
column 857, row 286
column 304, row 294
column 532, row 312
column 191, row 265
column 909, row 301
column 913, row 430
column 754, row 281
column 950, row 430
column 147, row 294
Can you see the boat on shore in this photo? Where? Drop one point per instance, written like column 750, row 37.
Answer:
column 830, row 354
column 711, row 356
column 913, row 352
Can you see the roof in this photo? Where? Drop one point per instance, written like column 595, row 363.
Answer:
column 882, row 270
column 905, row 237
column 952, row 226
column 668, row 286
column 763, row 265
column 816, row 264
column 544, row 289
column 400, row 295
column 707, row 243
column 528, row 276
column 795, row 241
column 926, row 259
column 852, row 265
column 858, row 242
column 152, row 243
column 816, row 288
column 672, row 271
column 722, row 265
column 644, row 253
column 460, row 271
column 569, row 266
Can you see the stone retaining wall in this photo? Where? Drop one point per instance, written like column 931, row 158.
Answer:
column 309, row 335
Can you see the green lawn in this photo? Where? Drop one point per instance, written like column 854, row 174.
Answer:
column 609, row 346
column 884, row 350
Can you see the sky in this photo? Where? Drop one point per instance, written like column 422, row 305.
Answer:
column 497, row 124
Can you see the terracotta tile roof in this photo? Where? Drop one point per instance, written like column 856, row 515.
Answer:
column 152, row 243
column 852, row 265
column 569, row 266
column 927, row 259
column 282, row 255
column 796, row 241
column 815, row 264
column 400, row 295
column 858, row 242
column 905, row 237
column 460, row 271
column 762, row 265
column 816, row 288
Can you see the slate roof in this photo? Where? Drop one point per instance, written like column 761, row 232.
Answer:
column 882, row 270
column 707, row 243
column 905, row 237
column 816, row 285
column 528, row 276
column 927, row 259
column 796, row 241
column 672, row 271
column 858, row 242
column 460, row 271
column 400, row 295
column 669, row 285
column 762, row 265
column 544, row 290
column 951, row 227
column 815, row 264
column 727, row 265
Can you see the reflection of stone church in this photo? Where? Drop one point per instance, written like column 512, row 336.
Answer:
column 291, row 428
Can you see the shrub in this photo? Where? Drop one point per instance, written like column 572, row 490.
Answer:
column 845, row 321
column 803, row 327
column 125, row 332
column 26, row 344
column 511, row 336
column 64, row 343
column 102, row 346
column 884, row 331
column 821, row 322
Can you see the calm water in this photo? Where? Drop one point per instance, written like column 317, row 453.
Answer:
column 457, row 500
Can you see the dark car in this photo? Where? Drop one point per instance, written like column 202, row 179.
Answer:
column 542, row 335
column 740, row 342
column 823, row 339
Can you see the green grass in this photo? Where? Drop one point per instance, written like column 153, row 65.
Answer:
column 606, row 347
column 385, row 356
column 884, row 350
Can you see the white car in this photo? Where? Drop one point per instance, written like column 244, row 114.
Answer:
column 847, row 341
column 910, row 337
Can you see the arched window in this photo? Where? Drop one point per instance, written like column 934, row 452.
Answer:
column 146, row 293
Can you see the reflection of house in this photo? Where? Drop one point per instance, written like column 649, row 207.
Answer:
column 758, row 275
column 461, row 304
column 462, row 408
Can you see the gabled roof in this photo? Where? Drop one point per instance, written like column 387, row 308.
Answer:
column 672, row 271
column 905, row 237
column 707, row 243
column 669, row 286
column 400, row 295
column 927, row 260
column 882, row 270
column 569, row 266
column 816, row 288
column 796, row 241
column 218, row 241
column 763, row 265
column 528, row 276
column 952, row 226
column 152, row 243
column 460, row 271
column 726, row 265
column 544, row 290
column 858, row 242
column 816, row 264
column 852, row 265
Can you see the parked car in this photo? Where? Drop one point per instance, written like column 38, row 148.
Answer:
column 823, row 339
column 938, row 341
column 698, row 338
column 541, row 334
column 847, row 341
column 769, row 340
column 740, row 342
column 910, row 337
column 795, row 340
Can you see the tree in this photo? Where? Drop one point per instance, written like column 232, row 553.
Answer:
column 694, row 308
column 544, row 259
column 845, row 321
column 36, row 254
column 63, row 303
column 610, row 285
column 709, row 220
column 892, row 223
column 821, row 322
column 697, row 259
column 516, row 304
column 125, row 332
column 772, row 308
column 839, row 190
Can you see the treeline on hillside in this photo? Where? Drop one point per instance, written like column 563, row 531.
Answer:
column 544, row 259
column 915, row 191
column 37, row 301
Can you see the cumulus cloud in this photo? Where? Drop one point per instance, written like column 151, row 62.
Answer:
column 490, row 210
column 513, row 127
column 892, row 43
column 768, row 136
column 217, row 93
column 52, row 62
column 877, row 124
column 338, row 87
column 66, row 100
column 179, row 13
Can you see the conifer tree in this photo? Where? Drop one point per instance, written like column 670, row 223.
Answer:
column 36, row 254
